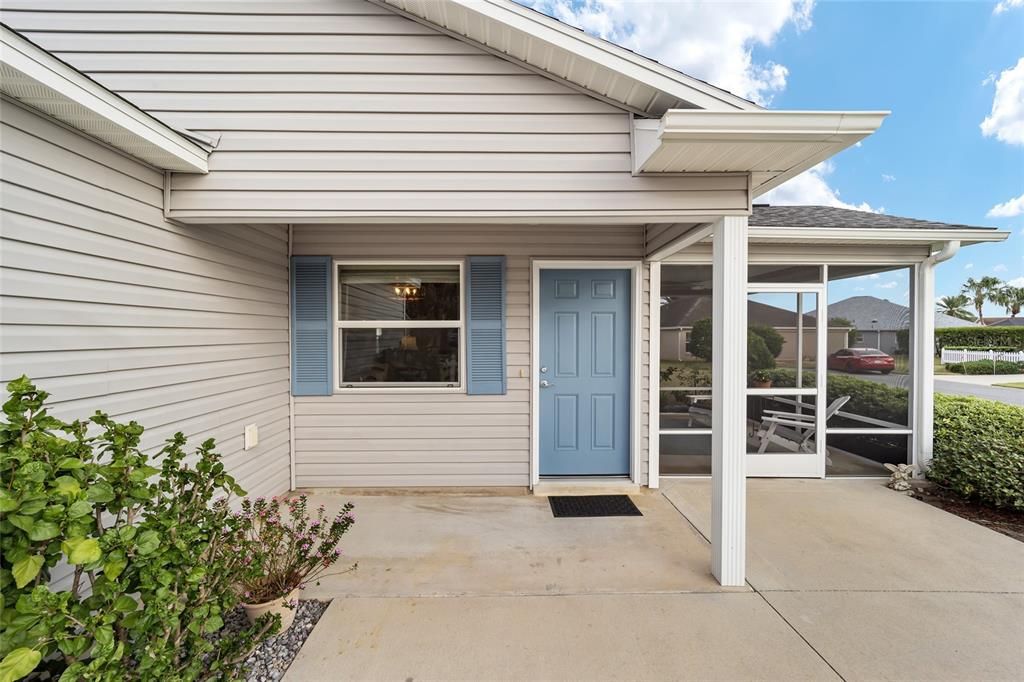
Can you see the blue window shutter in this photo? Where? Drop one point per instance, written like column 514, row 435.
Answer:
column 312, row 356
column 485, row 343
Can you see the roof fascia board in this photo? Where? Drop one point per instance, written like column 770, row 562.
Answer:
column 764, row 233
column 554, row 33
column 50, row 73
column 638, row 218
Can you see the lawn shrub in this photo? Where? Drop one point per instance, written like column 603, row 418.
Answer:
column 986, row 337
column 150, row 552
column 979, row 450
column 772, row 339
column 759, row 356
column 986, row 367
column 869, row 398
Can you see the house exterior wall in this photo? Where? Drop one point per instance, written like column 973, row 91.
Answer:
column 108, row 306
column 376, row 438
column 341, row 108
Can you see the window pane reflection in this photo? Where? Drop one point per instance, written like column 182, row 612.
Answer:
column 782, row 344
column 389, row 292
column 408, row 355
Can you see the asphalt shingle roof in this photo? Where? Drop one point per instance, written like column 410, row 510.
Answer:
column 827, row 216
column 861, row 310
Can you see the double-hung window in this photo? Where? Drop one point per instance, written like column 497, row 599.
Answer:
column 399, row 325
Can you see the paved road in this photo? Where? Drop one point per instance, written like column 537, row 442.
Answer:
column 971, row 386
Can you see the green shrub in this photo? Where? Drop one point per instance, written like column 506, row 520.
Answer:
column 763, row 344
column 758, row 354
column 979, row 450
column 986, row 367
column 868, row 398
column 153, row 553
column 987, row 337
column 700, row 339
column 772, row 339
column 998, row 349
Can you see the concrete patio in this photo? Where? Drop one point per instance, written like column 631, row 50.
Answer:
column 847, row 580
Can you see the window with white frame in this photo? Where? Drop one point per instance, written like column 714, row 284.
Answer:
column 399, row 325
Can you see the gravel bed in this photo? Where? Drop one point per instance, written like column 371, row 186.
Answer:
column 271, row 659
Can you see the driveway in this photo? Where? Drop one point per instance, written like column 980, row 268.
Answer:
column 847, row 580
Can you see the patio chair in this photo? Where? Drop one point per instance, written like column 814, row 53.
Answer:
column 798, row 428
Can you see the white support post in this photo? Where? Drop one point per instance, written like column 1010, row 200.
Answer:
column 921, row 355
column 654, row 385
column 728, row 403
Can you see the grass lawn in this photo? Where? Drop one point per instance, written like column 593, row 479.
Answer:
column 1011, row 384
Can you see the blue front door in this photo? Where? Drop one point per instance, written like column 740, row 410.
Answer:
column 584, row 372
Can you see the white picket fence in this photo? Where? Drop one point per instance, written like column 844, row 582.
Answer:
column 949, row 355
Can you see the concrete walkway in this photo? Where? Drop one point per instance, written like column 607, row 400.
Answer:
column 847, row 581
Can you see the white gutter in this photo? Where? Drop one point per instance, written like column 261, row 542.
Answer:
column 948, row 250
column 35, row 77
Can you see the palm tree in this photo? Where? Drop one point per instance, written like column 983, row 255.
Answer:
column 956, row 306
column 981, row 291
column 1011, row 298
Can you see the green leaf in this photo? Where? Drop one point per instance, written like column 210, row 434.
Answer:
column 43, row 530
column 26, row 570
column 25, row 523
column 19, row 663
column 99, row 492
column 67, row 486
column 213, row 624
column 82, row 550
column 79, row 508
column 125, row 604
column 148, row 542
column 7, row 503
column 114, row 567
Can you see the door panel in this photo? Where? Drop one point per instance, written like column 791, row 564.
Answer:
column 584, row 372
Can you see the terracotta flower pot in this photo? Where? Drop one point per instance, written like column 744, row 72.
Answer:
column 254, row 611
column 763, row 384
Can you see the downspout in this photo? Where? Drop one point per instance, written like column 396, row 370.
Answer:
column 948, row 250
column 291, row 397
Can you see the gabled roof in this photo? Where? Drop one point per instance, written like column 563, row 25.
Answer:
column 869, row 312
column 555, row 49
column 683, row 311
column 32, row 75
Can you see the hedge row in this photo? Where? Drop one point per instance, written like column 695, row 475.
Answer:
column 986, row 367
column 979, row 450
column 1011, row 338
column 868, row 398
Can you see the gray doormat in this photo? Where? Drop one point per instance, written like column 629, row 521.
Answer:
column 564, row 506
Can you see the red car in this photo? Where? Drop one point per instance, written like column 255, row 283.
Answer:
column 861, row 360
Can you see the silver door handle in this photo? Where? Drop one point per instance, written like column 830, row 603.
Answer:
column 544, row 383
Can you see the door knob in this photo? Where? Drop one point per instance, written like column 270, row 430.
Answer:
column 544, row 383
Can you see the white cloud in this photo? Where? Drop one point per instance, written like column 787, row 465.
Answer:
column 710, row 40
column 968, row 266
column 1004, row 5
column 859, row 289
column 1016, row 282
column 811, row 188
column 999, row 268
column 1007, row 209
column 874, row 275
column 989, row 80
column 888, row 178
column 1006, row 122
column 888, row 285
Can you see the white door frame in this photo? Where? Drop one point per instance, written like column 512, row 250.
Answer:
column 798, row 465
column 635, row 266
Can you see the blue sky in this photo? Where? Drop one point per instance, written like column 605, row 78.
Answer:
column 941, row 68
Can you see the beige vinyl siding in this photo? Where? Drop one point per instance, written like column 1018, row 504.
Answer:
column 424, row 439
column 108, row 306
column 341, row 108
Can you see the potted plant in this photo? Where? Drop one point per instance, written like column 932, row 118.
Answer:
column 761, row 378
column 287, row 551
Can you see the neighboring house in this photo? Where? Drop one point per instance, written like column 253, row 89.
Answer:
column 413, row 244
column 678, row 313
column 1005, row 321
column 878, row 322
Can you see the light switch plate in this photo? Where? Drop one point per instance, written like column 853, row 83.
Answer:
column 252, row 436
